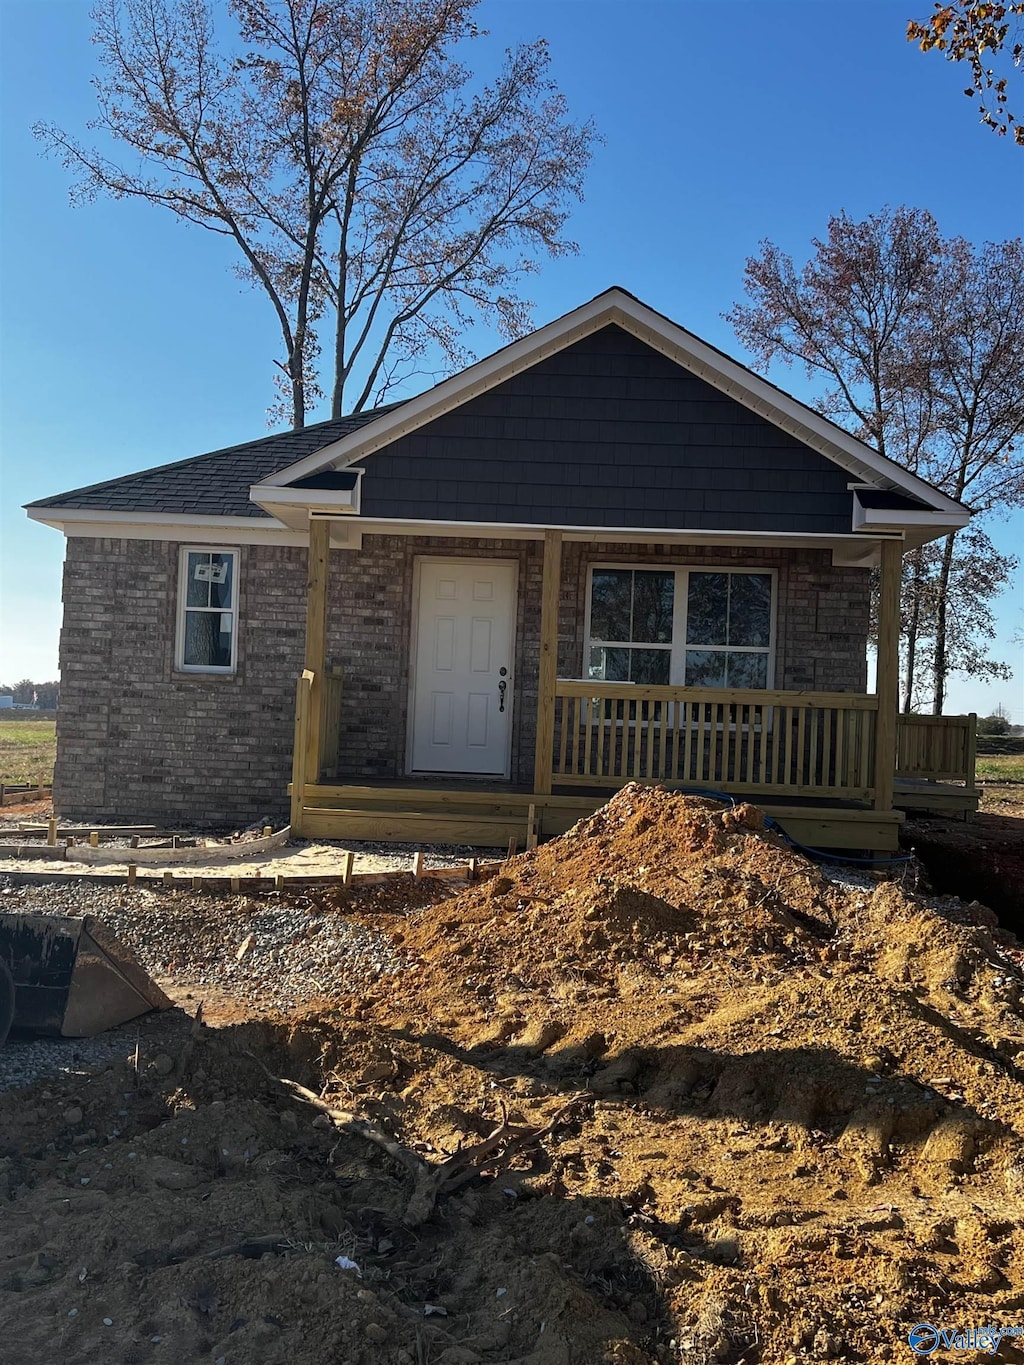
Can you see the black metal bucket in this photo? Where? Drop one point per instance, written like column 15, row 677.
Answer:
column 72, row 978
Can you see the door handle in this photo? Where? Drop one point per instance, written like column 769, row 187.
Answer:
column 501, row 693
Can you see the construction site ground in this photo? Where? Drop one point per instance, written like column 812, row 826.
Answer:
column 660, row 1090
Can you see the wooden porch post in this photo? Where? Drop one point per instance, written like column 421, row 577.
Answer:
column 544, row 756
column 887, row 673
column 316, row 637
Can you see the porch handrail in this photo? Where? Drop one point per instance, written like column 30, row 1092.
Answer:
column 937, row 748
column 751, row 696
column 731, row 739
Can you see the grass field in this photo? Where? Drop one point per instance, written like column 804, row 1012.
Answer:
column 1008, row 767
column 27, row 750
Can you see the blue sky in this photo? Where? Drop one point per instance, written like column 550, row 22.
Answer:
column 128, row 342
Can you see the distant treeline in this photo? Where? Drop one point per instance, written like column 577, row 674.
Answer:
column 28, row 693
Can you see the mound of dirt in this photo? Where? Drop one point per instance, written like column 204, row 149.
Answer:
column 660, row 1091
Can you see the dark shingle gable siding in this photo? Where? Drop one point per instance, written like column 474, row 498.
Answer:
column 608, row 432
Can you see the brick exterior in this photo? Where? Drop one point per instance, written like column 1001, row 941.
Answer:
column 138, row 740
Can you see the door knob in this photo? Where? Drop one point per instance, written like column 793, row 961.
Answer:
column 501, row 693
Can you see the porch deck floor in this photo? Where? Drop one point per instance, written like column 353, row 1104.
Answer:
column 911, row 792
column 489, row 813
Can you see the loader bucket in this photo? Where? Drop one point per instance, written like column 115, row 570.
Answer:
column 72, row 978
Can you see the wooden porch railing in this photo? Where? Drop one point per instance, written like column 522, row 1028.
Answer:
column 937, row 748
column 772, row 743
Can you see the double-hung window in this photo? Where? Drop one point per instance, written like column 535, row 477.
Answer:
column 692, row 627
column 207, row 635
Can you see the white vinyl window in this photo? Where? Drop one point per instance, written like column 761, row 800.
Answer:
column 207, row 632
column 709, row 627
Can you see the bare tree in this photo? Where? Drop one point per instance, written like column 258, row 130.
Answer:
column 366, row 180
column 920, row 342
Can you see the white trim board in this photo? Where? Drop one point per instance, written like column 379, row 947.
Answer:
column 347, row 533
column 169, row 526
column 696, row 356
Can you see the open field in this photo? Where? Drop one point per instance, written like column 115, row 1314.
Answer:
column 1005, row 767
column 27, row 750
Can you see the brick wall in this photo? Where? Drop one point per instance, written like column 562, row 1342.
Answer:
column 138, row 740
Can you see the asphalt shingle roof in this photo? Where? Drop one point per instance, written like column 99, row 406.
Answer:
column 215, row 484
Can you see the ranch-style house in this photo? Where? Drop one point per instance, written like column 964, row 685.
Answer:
column 607, row 553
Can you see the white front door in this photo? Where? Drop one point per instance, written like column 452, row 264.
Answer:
column 464, row 638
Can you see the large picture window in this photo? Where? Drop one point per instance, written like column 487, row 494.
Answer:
column 207, row 610
column 690, row 627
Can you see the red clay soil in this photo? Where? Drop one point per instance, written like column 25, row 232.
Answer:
column 700, row 1105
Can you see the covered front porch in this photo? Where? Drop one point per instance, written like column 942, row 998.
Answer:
column 836, row 769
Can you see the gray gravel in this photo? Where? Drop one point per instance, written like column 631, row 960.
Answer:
column 23, row 1061
column 275, row 952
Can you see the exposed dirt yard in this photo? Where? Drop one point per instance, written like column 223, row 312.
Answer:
column 999, row 798
column 698, row 1103
column 27, row 750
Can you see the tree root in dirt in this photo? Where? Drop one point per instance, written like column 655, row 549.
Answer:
column 433, row 1182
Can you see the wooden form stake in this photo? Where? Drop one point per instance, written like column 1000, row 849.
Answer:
column 548, row 674
column 346, row 874
column 417, row 864
column 133, row 872
column 94, row 839
column 51, row 833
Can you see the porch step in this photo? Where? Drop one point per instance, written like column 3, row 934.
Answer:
column 415, row 827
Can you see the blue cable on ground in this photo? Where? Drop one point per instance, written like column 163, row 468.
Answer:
column 773, row 824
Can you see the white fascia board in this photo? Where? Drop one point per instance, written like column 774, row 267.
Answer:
column 104, row 524
column 294, row 506
column 895, row 518
column 671, row 340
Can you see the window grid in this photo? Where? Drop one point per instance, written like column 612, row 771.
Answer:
column 679, row 646
column 192, row 633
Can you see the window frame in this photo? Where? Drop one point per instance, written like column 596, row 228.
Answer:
column 678, row 647
column 215, row 670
